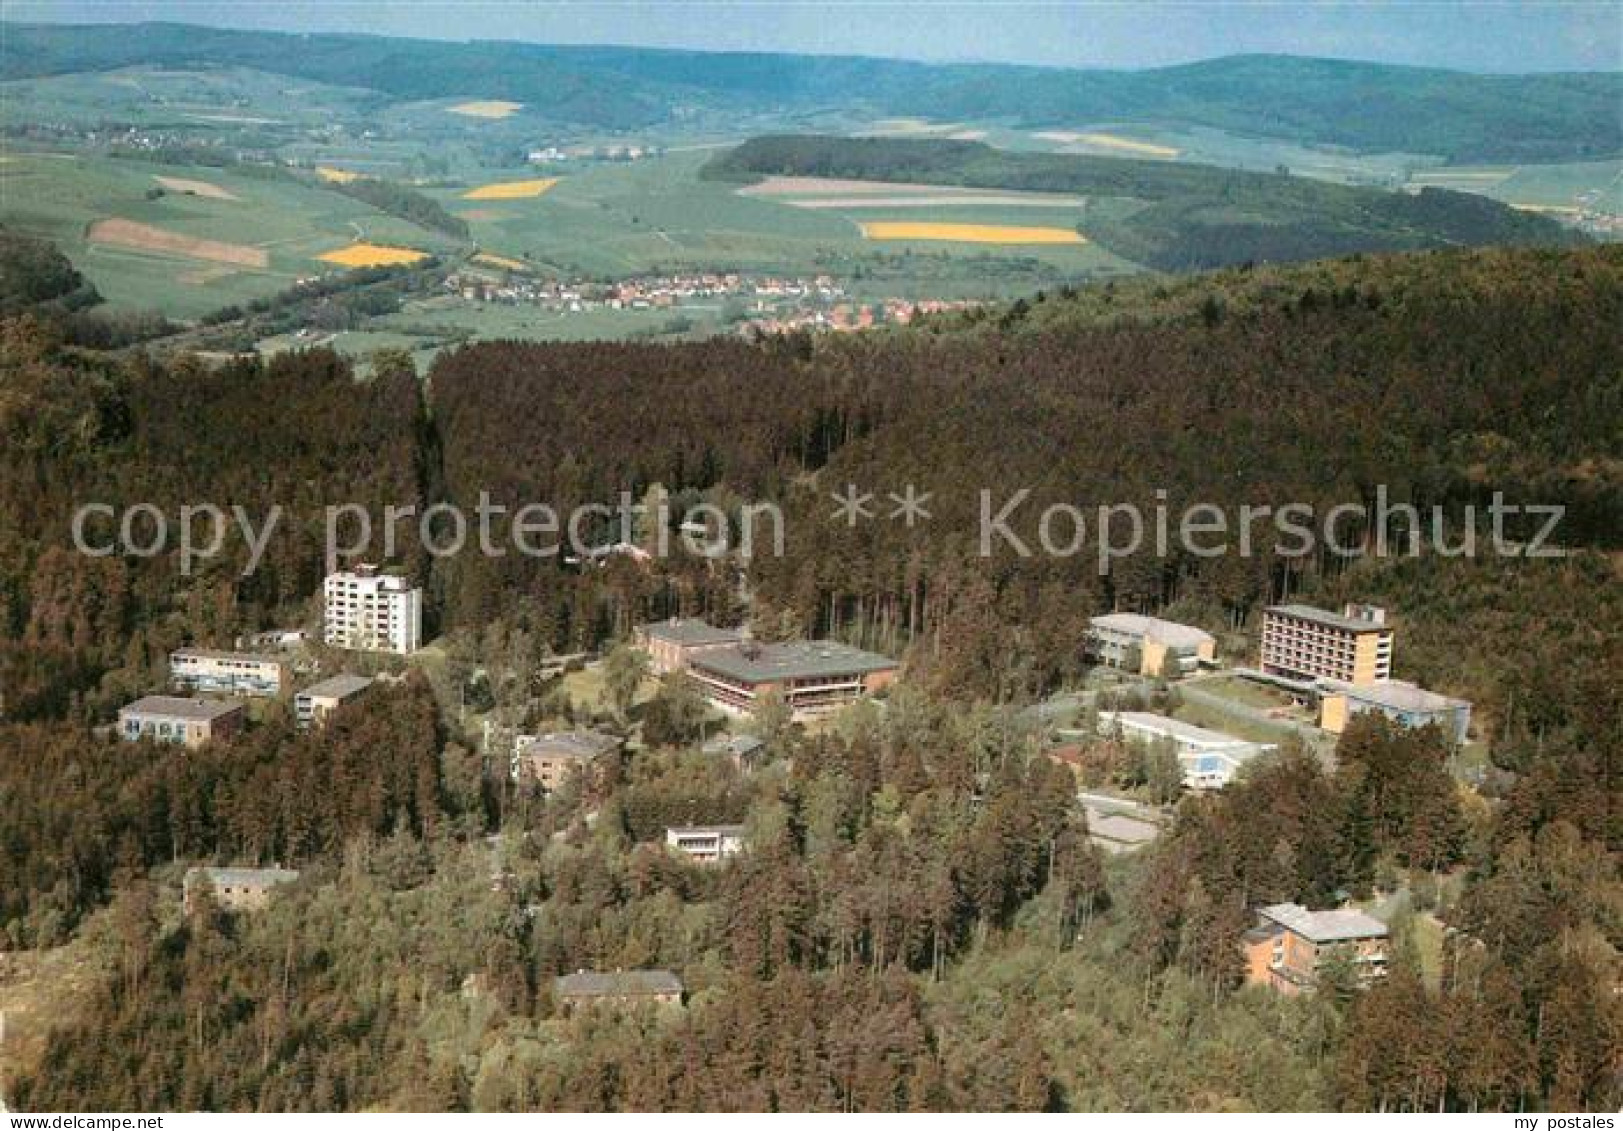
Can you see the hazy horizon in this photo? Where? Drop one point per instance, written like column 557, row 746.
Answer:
column 1486, row 37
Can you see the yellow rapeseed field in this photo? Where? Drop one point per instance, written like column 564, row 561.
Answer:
column 511, row 190
column 488, row 108
column 372, row 255
column 336, row 176
column 967, row 233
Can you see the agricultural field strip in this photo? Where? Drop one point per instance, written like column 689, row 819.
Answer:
column 812, row 187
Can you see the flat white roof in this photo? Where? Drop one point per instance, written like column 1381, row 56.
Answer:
column 1175, row 729
column 1397, row 694
column 1166, row 632
column 1325, row 926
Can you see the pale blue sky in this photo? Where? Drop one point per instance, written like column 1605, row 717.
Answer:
column 1465, row 34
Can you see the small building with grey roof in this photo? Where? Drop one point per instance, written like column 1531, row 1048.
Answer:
column 586, row 988
column 312, row 705
column 548, row 759
column 1291, row 949
column 235, row 889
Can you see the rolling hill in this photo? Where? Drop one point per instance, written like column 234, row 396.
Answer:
column 1190, row 216
column 1362, row 106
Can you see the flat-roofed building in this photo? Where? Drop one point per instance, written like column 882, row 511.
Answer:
column 671, row 643
column 367, row 610
column 815, row 677
column 185, row 721
column 618, row 988
column 235, row 889
column 742, row 750
column 1131, row 640
column 549, row 759
column 1402, row 702
column 1209, row 758
column 1300, row 642
column 229, row 673
column 706, row 844
column 312, row 705
column 1290, row 947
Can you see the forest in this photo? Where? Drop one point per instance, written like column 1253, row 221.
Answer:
column 921, row 920
column 1194, row 217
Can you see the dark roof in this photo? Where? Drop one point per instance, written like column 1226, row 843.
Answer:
column 689, row 632
column 618, row 983
column 176, row 707
column 800, row 659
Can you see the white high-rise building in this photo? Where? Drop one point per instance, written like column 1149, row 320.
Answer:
column 368, row 611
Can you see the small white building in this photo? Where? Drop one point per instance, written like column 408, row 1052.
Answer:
column 706, row 844
column 1209, row 758
column 366, row 610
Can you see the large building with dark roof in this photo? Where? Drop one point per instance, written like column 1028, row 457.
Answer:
column 815, row 677
column 670, row 644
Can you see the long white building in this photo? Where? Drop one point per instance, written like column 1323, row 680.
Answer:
column 369, row 611
column 1209, row 758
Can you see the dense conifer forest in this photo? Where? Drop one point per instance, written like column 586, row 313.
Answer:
column 921, row 920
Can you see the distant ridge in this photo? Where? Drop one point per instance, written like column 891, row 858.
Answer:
column 1368, row 107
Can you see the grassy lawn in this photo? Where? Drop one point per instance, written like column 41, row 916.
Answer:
column 1212, row 719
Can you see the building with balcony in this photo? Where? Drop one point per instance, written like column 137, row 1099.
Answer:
column 1291, row 948
column 815, row 677
column 366, row 610
column 1301, row 643
column 706, row 844
column 226, row 673
column 184, row 721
